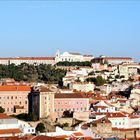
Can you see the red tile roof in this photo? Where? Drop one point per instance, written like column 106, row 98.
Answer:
column 4, row 116
column 122, row 129
column 15, row 88
column 29, row 58
column 69, row 95
column 113, row 58
column 10, row 131
column 77, row 134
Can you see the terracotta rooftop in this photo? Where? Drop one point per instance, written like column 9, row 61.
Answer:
column 15, row 88
column 46, row 138
column 4, row 116
column 102, row 120
column 29, row 58
column 44, row 89
column 77, row 134
column 10, row 131
column 122, row 129
column 69, row 95
column 114, row 58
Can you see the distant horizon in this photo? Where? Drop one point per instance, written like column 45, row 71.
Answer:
column 39, row 28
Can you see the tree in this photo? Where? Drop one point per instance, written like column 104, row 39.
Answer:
column 40, row 127
column 122, row 76
column 32, row 73
column 27, row 117
column 2, row 110
column 117, row 76
column 31, row 117
column 67, row 63
column 67, row 114
column 98, row 81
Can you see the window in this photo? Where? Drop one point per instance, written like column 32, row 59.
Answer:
column 11, row 97
column 25, row 102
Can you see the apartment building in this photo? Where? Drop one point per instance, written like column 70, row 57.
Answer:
column 14, row 98
column 28, row 60
column 72, row 101
column 112, row 60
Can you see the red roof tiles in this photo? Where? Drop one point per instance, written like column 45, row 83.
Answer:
column 29, row 58
column 69, row 95
column 4, row 116
column 10, row 131
column 15, row 88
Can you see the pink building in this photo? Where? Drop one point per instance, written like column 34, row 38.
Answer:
column 112, row 60
column 14, row 99
column 71, row 101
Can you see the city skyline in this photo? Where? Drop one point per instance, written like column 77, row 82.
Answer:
column 94, row 27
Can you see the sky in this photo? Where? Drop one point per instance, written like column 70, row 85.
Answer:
column 97, row 27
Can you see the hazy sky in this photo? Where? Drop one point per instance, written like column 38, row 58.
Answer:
column 91, row 27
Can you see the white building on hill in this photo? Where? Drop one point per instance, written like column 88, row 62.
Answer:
column 72, row 57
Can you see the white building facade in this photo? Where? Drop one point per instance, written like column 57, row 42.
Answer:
column 72, row 57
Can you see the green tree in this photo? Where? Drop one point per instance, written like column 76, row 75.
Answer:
column 67, row 114
column 26, row 117
column 66, row 63
column 98, row 81
column 2, row 110
column 40, row 127
column 32, row 73
column 122, row 76
column 117, row 76
column 31, row 117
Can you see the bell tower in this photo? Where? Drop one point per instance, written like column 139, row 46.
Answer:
column 57, row 56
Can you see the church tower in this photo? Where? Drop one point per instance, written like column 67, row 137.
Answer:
column 57, row 56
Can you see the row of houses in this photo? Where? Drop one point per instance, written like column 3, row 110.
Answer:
column 16, row 99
